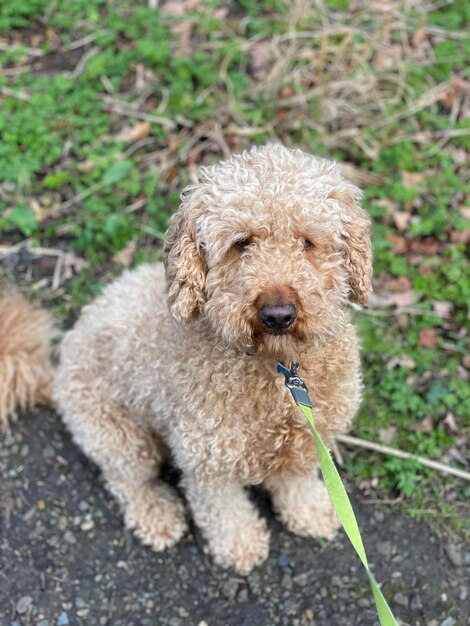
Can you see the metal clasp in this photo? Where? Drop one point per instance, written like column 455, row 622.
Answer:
column 294, row 383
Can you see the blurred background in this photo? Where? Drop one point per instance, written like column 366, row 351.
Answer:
column 108, row 108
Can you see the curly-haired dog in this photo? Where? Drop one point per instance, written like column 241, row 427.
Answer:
column 262, row 259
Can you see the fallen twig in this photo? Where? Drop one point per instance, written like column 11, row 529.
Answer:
column 36, row 252
column 377, row 447
column 128, row 111
column 12, row 93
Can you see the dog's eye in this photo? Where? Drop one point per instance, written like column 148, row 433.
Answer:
column 308, row 245
column 243, row 244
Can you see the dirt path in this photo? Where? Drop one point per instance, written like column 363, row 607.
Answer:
column 66, row 559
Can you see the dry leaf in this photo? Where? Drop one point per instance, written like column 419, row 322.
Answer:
column 466, row 361
column 463, row 373
column 442, row 308
column 260, row 54
column 86, row 166
column 428, row 338
column 449, row 421
column 429, row 247
column 140, row 130
column 389, row 57
column 404, row 361
column 387, row 435
column 457, row 456
column 412, row 179
column 390, row 205
column 401, row 219
column 460, row 236
column 126, row 255
column 399, row 244
column 419, row 37
column 398, row 284
column 399, row 299
column 465, row 212
column 403, row 298
column 425, row 426
column 459, row 88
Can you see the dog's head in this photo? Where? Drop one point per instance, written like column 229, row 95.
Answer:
column 269, row 247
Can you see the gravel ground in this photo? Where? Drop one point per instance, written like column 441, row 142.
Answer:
column 67, row 560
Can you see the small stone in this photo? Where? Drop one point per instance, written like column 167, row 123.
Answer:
column 463, row 593
column 63, row 619
column 69, row 537
column 23, row 604
column 400, row 599
column 83, row 505
column 230, row 589
column 48, row 452
column 83, row 612
column 254, row 582
column 416, row 603
column 41, row 505
column 385, row 548
column 364, row 603
column 454, row 554
column 243, row 596
column 87, row 525
column 302, row 579
column 379, row 516
column 336, row 581
column 175, row 621
column 309, row 614
column 287, row 581
column 80, row 603
column 283, row 560
column 449, row 621
column 466, row 558
column 43, row 622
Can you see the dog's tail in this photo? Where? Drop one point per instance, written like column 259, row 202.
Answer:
column 26, row 371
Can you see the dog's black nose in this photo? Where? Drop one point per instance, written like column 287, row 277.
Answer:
column 278, row 316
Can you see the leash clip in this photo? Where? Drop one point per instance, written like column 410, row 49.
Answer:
column 294, row 383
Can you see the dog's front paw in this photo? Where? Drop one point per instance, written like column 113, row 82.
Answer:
column 304, row 506
column 157, row 516
column 241, row 547
column 316, row 519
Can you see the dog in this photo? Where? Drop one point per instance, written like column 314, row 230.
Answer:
column 262, row 259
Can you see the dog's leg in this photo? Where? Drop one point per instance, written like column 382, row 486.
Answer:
column 129, row 456
column 303, row 504
column 237, row 535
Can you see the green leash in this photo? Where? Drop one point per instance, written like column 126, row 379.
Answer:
column 335, row 487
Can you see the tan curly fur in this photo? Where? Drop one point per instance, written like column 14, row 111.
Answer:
column 186, row 365
column 25, row 348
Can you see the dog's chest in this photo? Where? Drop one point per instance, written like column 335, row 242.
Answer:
column 262, row 438
column 284, row 445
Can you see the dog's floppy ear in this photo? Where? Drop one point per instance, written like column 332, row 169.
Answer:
column 358, row 247
column 184, row 262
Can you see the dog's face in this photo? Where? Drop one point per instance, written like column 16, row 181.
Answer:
column 269, row 247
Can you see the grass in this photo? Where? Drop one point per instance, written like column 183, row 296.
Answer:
column 108, row 107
